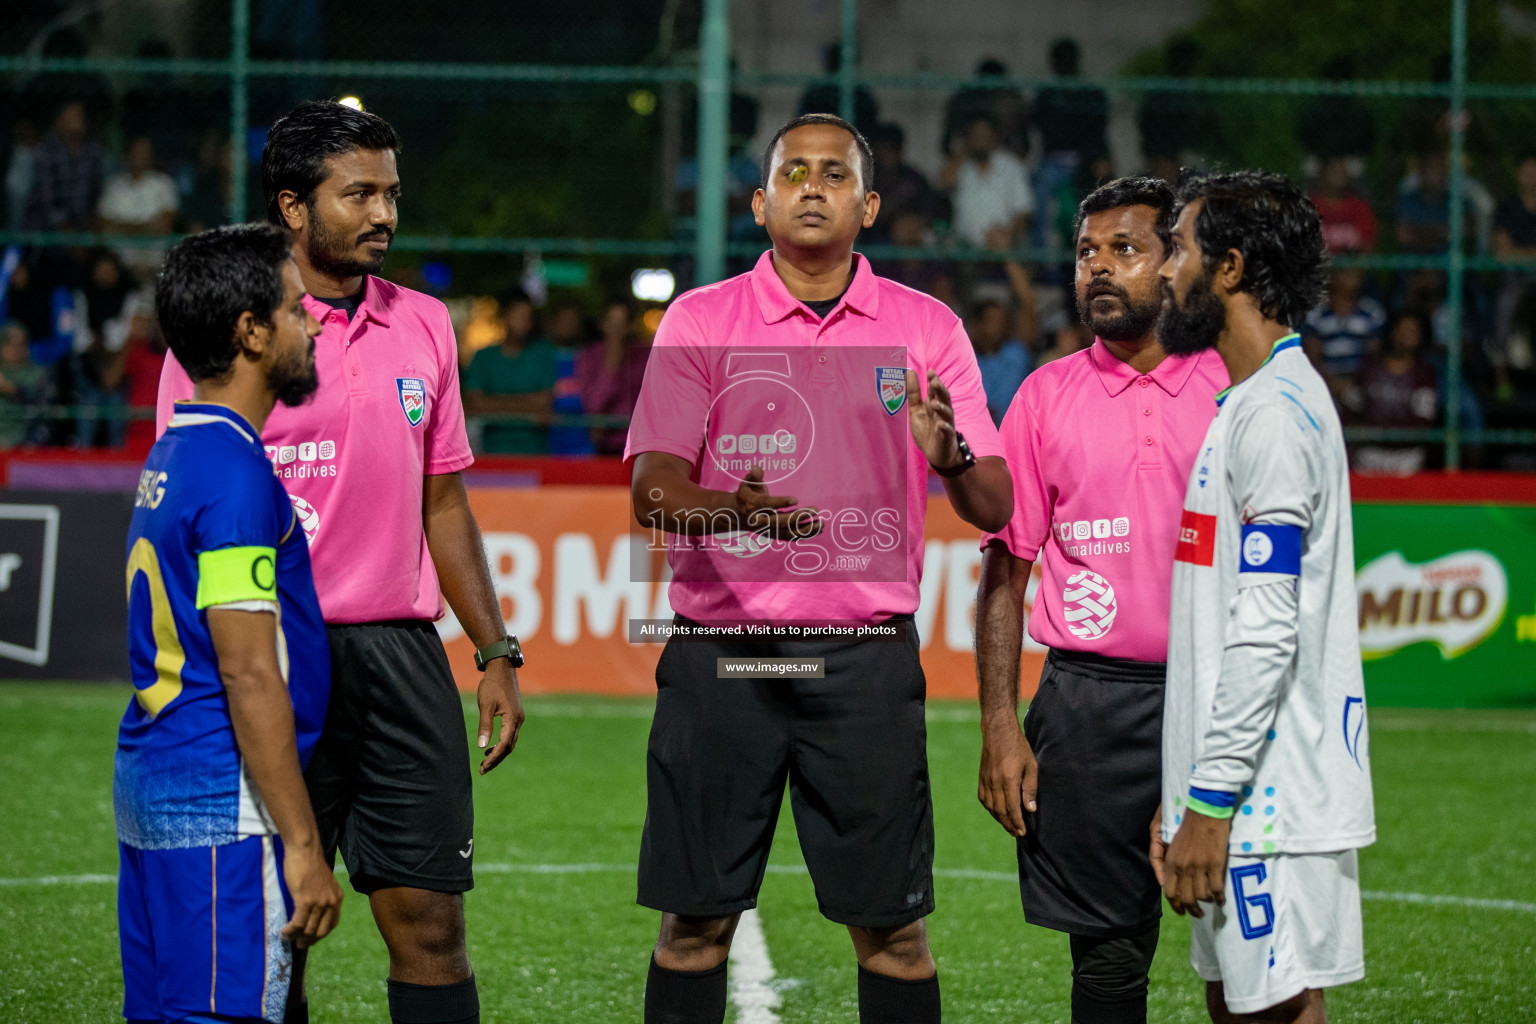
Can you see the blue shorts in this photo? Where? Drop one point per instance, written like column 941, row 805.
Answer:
column 201, row 932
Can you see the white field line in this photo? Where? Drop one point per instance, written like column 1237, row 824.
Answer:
column 1451, row 901
column 960, row 874
column 751, row 974
column 22, row 883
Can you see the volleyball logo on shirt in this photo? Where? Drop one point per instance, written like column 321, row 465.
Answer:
column 413, row 398
column 1088, row 605
column 308, row 518
column 743, row 543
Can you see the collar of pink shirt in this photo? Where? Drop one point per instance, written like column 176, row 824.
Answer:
column 378, row 297
column 775, row 302
column 1171, row 374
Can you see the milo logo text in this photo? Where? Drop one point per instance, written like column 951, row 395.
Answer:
column 1454, row 602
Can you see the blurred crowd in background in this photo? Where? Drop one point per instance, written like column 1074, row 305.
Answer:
column 80, row 153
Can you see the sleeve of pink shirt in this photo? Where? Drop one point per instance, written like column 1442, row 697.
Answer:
column 1030, row 526
column 447, row 440
column 673, row 403
column 954, row 360
column 175, row 386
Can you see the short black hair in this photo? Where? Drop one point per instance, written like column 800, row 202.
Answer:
column 1130, row 191
column 1274, row 225
column 207, row 281
column 866, row 155
column 293, row 159
column 1066, row 51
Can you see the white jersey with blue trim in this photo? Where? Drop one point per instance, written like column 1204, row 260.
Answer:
column 1265, row 715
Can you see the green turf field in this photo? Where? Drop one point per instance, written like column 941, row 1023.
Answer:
column 556, row 936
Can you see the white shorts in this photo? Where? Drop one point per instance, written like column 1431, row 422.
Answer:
column 1291, row 923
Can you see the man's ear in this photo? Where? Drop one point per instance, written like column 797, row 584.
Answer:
column 1229, row 272
column 252, row 336
column 294, row 212
column 759, row 202
column 871, row 208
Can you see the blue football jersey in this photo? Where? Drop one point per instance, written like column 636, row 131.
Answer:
column 212, row 526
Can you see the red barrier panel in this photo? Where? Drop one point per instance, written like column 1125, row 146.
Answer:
column 93, row 469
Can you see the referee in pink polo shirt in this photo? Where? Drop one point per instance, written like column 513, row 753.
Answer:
column 373, row 467
column 1100, row 444
column 806, row 376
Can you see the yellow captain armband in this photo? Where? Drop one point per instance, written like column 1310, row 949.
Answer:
column 226, row 575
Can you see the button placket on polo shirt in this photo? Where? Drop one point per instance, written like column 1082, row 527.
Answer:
column 821, row 368
column 357, row 380
column 1149, row 401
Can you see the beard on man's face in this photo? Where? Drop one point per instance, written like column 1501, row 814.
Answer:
column 294, row 378
column 335, row 252
column 1194, row 326
column 1133, row 321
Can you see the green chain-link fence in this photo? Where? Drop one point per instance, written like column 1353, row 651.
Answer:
column 607, row 193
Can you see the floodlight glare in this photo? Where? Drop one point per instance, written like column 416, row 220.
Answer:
column 652, row 284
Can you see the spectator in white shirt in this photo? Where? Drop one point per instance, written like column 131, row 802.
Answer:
column 989, row 187
column 139, row 201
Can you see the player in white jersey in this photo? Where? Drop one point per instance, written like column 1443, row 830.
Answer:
column 1266, row 765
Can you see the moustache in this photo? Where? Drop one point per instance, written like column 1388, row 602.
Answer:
column 382, row 233
column 1105, row 288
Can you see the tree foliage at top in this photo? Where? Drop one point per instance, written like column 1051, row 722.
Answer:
column 1364, row 40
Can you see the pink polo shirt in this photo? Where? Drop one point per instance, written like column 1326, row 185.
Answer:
column 353, row 457
column 743, row 374
column 1100, row 457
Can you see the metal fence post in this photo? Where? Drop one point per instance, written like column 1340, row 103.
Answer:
column 714, row 140
column 848, row 61
column 1454, row 297
column 239, row 104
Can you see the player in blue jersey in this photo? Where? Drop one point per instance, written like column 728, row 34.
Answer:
column 222, row 870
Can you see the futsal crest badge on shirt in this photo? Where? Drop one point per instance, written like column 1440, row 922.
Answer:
column 413, row 398
column 892, row 384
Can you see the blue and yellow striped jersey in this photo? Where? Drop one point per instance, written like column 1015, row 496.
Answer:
column 212, row 526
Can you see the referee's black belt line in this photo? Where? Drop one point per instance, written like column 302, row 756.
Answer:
column 1119, row 670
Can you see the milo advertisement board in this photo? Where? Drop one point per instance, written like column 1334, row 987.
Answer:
column 1447, row 603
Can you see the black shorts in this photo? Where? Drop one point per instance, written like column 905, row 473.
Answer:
column 390, row 778
column 1096, row 727
column 853, row 748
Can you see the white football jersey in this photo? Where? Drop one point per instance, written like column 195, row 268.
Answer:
column 1265, row 696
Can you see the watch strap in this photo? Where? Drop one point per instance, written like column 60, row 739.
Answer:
column 507, row 647
column 967, row 459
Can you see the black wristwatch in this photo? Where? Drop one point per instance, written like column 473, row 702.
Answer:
column 507, row 647
column 967, row 460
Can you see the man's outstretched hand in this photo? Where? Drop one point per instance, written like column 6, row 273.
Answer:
column 765, row 513
column 933, row 421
